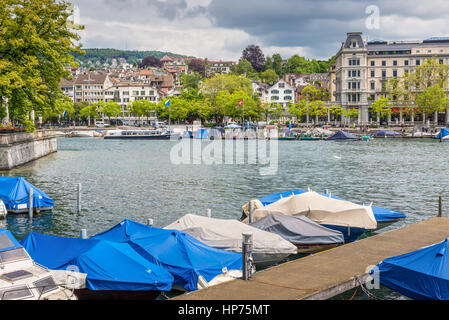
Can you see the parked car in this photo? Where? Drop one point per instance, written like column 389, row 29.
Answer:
column 101, row 124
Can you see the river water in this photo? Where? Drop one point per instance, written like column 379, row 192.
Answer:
column 138, row 180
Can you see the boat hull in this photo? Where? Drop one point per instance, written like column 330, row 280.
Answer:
column 350, row 233
column 314, row 248
column 141, row 137
column 35, row 210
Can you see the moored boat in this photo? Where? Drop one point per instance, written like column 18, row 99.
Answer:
column 15, row 193
column 384, row 216
column 193, row 264
column 114, row 270
column 307, row 235
column 268, row 248
column 421, row 275
column 349, row 218
column 141, row 134
column 21, row 278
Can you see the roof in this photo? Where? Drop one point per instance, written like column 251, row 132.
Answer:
column 91, row 78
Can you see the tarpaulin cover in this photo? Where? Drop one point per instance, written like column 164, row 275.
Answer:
column 444, row 133
column 381, row 214
column 109, row 265
column 7, row 241
column 226, row 234
column 343, row 135
column 14, row 191
column 298, row 229
column 420, row 275
column 385, row 133
column 202, row 134
column 180, row 254
column 323, row 210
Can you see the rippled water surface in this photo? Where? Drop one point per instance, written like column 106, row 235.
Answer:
column 136, row 180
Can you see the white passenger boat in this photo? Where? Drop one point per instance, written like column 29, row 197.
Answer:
column 23, row 279
column 3, row 210
column 157, row 134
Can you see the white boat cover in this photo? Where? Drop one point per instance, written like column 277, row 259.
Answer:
column 227, row 235
column 299, row 230
column 322, row 210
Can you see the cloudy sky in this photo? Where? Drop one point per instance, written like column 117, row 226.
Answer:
column 221, row 29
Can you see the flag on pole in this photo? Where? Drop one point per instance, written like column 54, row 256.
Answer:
column 240, row 102
column 64, row 114
column 167, row 103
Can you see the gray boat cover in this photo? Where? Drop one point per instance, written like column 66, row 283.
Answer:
column 299, row 230
column 226, row 234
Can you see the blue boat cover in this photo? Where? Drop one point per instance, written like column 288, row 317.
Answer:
column 443, row 133
column 7, row 241
column 385, row 133
column 381, row 214
column 14, row 191
column 202, row 134
column 420, row 275
column 109, row 265
column 182, row 255
column 343, row 135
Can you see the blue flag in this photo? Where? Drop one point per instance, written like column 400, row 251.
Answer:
column 64, row 114
column 167, row 103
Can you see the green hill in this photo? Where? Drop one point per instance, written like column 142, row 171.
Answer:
column 131, row 56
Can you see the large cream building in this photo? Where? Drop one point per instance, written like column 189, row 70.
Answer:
column 362, row 67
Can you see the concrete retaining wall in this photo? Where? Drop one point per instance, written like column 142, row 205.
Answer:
column 17, row 149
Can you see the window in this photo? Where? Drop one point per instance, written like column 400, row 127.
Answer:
column 384, row 63
column 274, row 91
column 373, row 74
column 287, row 98
column 274, row 98
column 281, row 85
column 142, row 93
column 441, row 61
column 395, row 62
column 418, row 62
column 372, row 63
column 384, row 73
column 126, row 93
column 135, row 93
column 287, row 91
column 373, row 85
column 406, row 63
column 354, row 62
column 395, row 73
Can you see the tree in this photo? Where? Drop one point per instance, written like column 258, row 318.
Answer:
column 191, row 80
column 150, row 61
column 382, row 107
column 255, row 56
column 111, row 109
column 432, row 99
column 198, row 65
column 243, row 67
column 269, row 76
column 37, row 39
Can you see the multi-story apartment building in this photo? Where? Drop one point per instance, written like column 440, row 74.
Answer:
column 281, row 93
column 125, row 93
column 220, row 66
column 363, row 67
column 89, row 87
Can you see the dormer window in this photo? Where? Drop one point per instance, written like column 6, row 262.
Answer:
column 354, row 44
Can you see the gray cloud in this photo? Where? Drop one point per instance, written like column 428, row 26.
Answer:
column 222, row 28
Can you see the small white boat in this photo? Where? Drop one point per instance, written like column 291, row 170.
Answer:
column 21, row 278
column 268, row 248
column 3, row 210
column 81, row 134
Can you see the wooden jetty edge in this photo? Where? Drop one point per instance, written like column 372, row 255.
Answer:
column 329, row 273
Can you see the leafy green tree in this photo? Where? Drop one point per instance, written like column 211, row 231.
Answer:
column 191, row 80
column 243, row 67
column 37, row 39
column 111, row 109
column 269, row 76
column 433, row 99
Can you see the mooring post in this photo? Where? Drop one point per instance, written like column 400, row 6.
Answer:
column 78, row 201
column 150, row 222
column 247, row 249
column 83, row 234
column 251, row 210
column 440, row 206
column 30, row 204
column 208, row 213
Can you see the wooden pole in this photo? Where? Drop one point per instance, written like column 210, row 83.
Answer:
column 440, row 206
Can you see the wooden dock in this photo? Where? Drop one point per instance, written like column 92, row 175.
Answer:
column 329, row 273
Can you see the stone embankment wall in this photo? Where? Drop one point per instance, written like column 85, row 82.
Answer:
column 17, row 149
